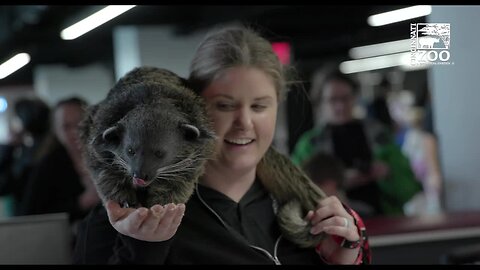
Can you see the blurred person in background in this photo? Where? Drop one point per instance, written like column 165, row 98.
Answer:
column 328, row 172
column 378, row 108
column 30, row 140
column 60, row 182
column 421, row 148
column 377, row 173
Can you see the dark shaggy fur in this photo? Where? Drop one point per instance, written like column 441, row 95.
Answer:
column 295, row 194
column 145, row 111
column 148, row 140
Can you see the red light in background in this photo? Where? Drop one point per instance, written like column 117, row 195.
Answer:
column 282, row 50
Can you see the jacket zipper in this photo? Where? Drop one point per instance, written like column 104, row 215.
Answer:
column 273, row 257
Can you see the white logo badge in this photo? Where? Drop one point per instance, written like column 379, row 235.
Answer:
column 430, row 44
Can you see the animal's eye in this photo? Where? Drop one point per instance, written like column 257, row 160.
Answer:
column 130, row 151
column 159, row 154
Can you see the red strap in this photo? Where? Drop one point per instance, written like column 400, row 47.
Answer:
column 364, row 254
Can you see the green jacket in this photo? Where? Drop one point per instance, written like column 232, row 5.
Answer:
column 397, row 188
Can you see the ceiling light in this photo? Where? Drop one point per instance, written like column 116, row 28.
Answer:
column 399, row 15
column 14, row 64
column 380, row 49
column 93, row 21
column 374, row 63
column 414, row 67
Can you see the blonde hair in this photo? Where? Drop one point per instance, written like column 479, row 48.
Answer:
column 234, row 46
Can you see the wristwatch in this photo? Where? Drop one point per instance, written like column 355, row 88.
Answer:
column 345, row 243
column 350, row 244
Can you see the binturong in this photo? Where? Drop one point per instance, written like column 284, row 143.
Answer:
column 147, row 142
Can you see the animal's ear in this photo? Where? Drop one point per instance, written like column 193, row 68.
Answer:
column 113, row 134
column 192, row 132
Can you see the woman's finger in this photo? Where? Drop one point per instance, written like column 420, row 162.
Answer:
column 151, row 223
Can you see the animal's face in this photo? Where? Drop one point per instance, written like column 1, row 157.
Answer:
column 146, row 152
column 148, row 143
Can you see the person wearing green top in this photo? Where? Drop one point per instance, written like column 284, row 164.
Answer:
column 377, row 174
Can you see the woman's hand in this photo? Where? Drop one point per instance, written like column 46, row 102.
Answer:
column 332, row 218
column 159, row 223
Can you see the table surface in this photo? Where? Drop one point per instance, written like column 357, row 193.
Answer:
column 397, row 225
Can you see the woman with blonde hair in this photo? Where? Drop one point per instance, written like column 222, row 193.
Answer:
column 232, row 216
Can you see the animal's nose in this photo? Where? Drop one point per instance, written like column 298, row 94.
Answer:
column 140, row 175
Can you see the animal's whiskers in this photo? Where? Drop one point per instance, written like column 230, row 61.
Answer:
column 146, row 108
column 194, row 157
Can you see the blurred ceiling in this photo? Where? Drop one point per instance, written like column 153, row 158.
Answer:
column 317, row 33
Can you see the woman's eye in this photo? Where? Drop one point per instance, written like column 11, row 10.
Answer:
column 130, row 151
column 224, row 106
column 259, row 107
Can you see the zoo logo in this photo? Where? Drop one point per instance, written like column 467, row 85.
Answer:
column 432, row 43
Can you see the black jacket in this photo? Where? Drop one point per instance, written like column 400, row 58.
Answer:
column 54, row 186
column 205, row 236
column 16, row 165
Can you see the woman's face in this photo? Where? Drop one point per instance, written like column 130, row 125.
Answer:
column 400, row 108
column 66, row 121
column 338, row 102
column 16, row 125
column 243, row 105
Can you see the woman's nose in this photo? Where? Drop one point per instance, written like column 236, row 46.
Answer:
column 243, row 119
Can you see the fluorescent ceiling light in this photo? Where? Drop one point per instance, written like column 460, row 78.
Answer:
column 14, row 64
column 374, row 63
column 399, row 15
column 414, row 67
column 380, row 49
column 94, row 21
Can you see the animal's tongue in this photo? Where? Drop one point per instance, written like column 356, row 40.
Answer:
column 139, row 182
